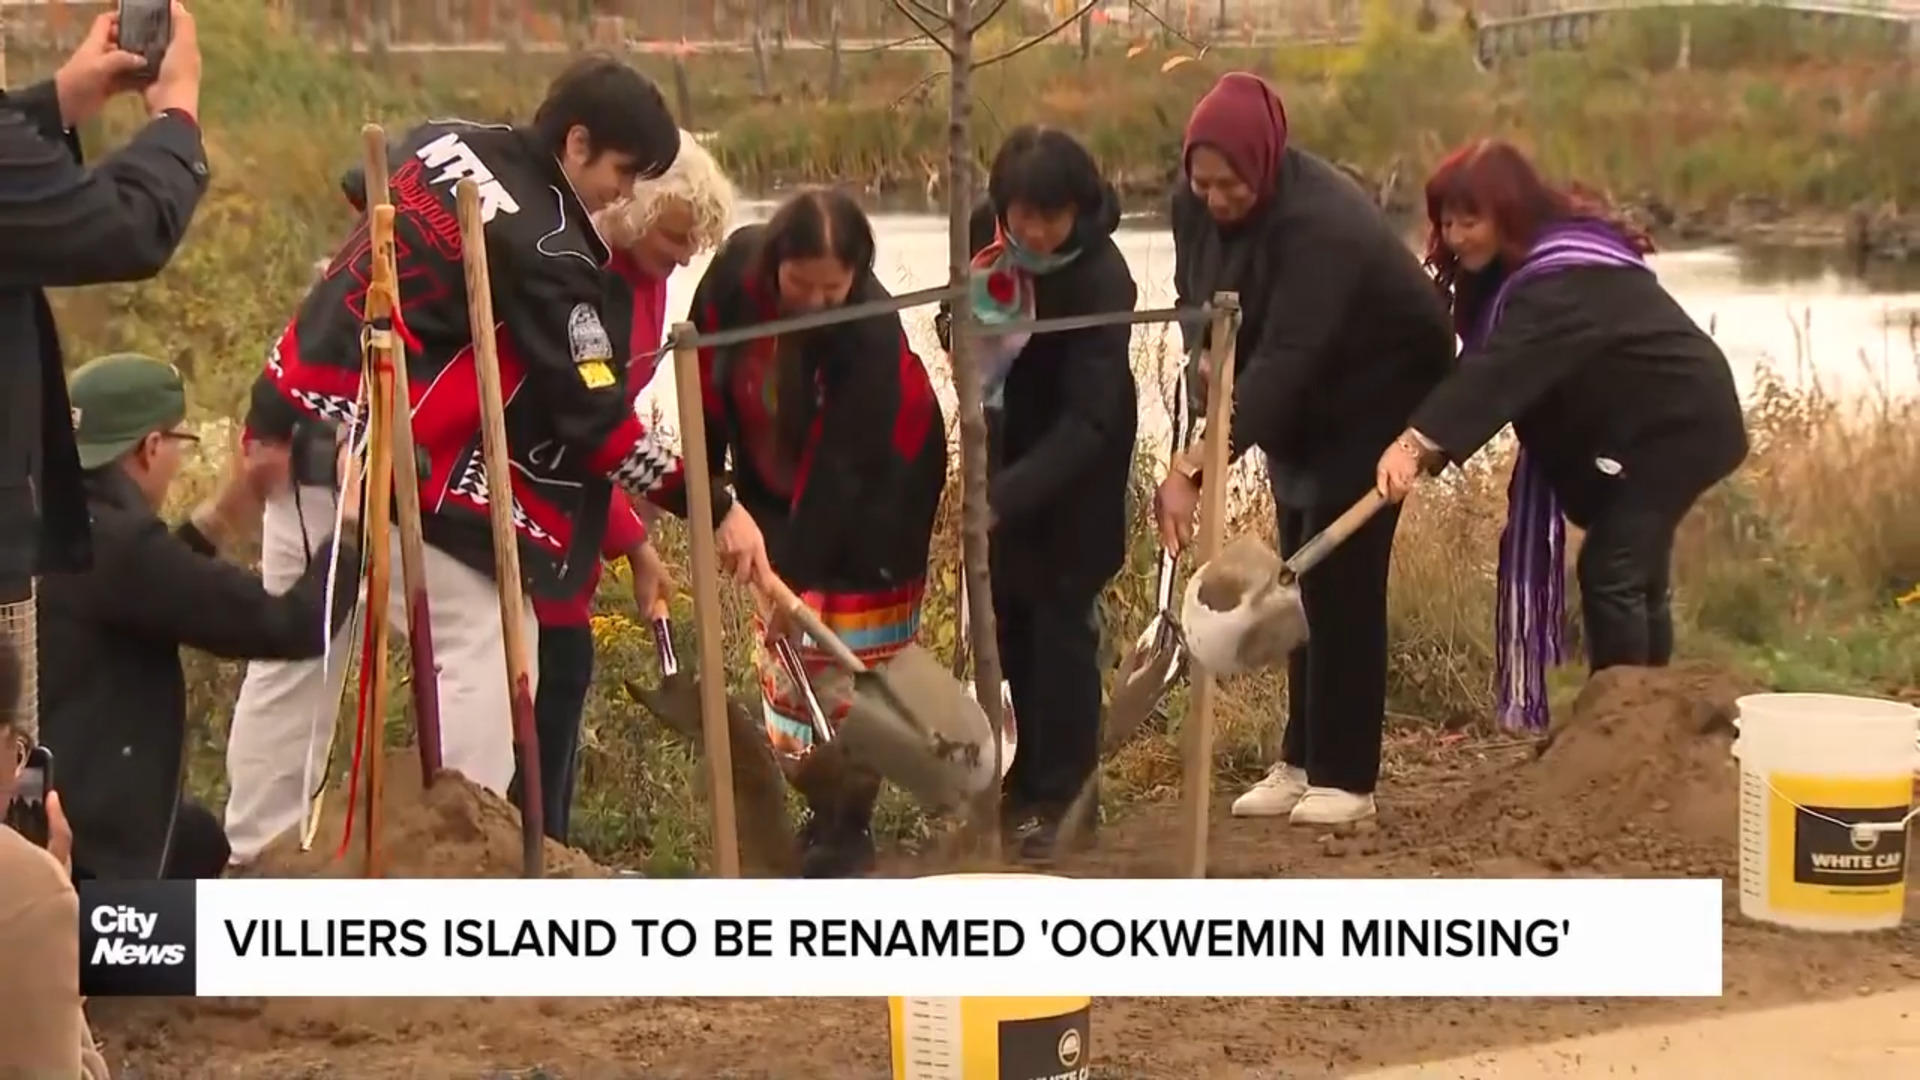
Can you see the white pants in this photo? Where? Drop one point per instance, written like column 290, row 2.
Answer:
column 268, row 745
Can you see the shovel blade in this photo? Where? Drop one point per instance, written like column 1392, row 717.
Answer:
column 912, row 723
column 1146, row 674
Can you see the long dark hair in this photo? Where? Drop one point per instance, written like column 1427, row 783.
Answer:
column 1493, row 179
column 813, row 224
column 1047, row 169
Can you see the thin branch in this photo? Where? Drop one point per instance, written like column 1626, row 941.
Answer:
column 904, row 8
column 1165, row 25
column 927, row 12
column 989, row 16
column 881, row 47
column 1050, row 34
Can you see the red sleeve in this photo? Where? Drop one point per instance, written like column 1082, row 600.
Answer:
column 625, row 531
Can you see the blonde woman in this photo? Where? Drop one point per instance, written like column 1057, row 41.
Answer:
column 661, row 226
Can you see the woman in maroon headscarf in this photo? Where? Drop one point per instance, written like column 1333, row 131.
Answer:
column 1343, row 334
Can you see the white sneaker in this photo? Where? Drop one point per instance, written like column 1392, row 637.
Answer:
column 1331, row 806
column 1274, row 795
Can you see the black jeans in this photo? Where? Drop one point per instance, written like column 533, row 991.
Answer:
column 1337, row 681
column 1050, row 654
column 200, row 848
column 566, row 674
column 1626, row 595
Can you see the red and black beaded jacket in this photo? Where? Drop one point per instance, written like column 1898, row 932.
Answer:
column 867, row 474
column 562, row 342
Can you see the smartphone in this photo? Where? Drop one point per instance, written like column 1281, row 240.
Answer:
column 27, row 813
column 316, row 454
column 146, row 28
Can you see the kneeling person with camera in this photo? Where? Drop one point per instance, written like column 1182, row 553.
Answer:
column 113, row 695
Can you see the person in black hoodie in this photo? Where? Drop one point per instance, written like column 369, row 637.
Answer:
column 1626, row 413
column 1343, row 334
column 1061, row 418
column 839, row 453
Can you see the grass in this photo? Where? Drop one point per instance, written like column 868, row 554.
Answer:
column 1792, row 569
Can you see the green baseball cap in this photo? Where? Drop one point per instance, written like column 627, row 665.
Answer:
column 120, row 399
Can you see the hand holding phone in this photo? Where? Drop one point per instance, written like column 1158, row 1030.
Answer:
column 27, row 813
column 145, row 28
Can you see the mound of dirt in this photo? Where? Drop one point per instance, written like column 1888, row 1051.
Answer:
column 452, row 829
column 1637, row 777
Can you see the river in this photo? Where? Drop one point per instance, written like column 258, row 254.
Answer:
column 1798, row 313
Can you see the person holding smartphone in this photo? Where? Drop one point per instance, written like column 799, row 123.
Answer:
column 112, row 695
column 63, row 223
column 43, row 1030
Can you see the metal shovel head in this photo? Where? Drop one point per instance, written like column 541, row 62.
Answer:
column 1242, row 611
column 1147, row 672
column 912, row 723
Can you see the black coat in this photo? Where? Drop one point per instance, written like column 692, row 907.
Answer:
column 62, row 225
column 873, row 459
column 1343, row 332
column 1598, row 365
column 1063, row 440
column 112, row 696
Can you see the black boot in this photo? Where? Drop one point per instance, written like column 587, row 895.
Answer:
column 1041, row 842
column 838, row 838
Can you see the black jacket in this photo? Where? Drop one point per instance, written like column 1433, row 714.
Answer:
column 873, row 460
column 571, row 427
column 1597, row 365
column 63, row 225
column 112, row 696
column 1342, row 334
column 1063, row 442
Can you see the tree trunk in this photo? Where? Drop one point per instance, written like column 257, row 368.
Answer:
column 973, row 419
column 836, row 84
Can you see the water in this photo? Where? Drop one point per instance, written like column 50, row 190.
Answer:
column 1799, row 313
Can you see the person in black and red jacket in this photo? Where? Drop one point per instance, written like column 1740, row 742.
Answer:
column 839, row 451
column 571, row 427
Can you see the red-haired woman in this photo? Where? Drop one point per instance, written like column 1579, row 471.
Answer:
column 1625, row 410
column 1343, row 334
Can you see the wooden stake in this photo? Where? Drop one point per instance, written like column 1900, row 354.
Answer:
column 379, row 539
column 706, row 603
column 1197, row 732
column 383, row 301
column 506, row 539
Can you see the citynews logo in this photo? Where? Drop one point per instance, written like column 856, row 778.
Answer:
column 124, row 932
column 137, row 938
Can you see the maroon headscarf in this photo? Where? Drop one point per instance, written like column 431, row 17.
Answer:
column 1243, row 119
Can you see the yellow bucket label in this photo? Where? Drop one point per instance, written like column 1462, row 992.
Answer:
column 1035, row 1038
column 1817, row 864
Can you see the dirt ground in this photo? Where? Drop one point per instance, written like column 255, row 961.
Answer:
column 1637, row 780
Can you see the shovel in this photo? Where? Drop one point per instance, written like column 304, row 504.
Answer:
column 766, row 839
column 1154, row 663
column 910, row 720
column 1243, row 611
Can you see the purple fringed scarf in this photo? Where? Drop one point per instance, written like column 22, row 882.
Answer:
column 1529, row 623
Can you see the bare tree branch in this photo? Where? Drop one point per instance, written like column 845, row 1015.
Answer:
column 881, row 47
column 905, row 7
column 992, row 12
column 928, row 12
column 1165, row 25
column 1051, row 33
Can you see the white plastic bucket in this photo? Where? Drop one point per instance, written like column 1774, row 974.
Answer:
column 990, row 1038
column 1817, row 772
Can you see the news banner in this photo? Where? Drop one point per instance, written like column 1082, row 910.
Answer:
column 947, row 937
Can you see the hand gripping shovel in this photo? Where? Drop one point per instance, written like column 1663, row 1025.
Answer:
column 1242, row 609
column 910, row 721
column 1155, row 662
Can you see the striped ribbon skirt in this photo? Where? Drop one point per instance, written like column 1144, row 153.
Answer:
column 875, row 625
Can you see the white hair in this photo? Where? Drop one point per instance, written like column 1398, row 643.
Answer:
column 694, row 181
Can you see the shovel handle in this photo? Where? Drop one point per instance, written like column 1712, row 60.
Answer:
column 663, row 648
column 1314, row 551
column 784, row 598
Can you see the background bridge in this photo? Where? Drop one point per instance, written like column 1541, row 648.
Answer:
column 1533, row 27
